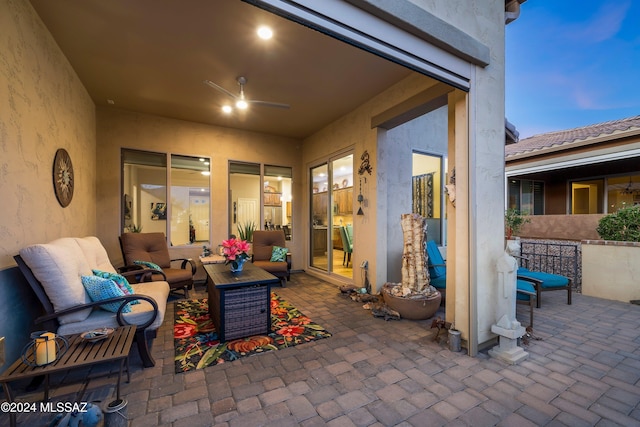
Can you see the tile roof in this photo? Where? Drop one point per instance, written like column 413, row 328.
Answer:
column 566, row 137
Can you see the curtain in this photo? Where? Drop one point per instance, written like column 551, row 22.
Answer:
column 423, row 195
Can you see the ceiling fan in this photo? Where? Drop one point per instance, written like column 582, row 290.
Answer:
column 241, row 102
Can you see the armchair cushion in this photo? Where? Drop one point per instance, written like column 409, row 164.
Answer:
column 279, row 254
column 100, row 289
column 150, row 247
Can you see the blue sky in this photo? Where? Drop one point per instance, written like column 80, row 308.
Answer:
column 572, row 63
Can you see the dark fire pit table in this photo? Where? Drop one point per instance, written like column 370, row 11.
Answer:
column 239, row 303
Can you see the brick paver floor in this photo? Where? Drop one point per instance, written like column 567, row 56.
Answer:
column 584, row 371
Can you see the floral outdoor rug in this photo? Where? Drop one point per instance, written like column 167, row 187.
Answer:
column 196, row 340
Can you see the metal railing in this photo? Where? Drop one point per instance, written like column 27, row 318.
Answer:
column 562, row 258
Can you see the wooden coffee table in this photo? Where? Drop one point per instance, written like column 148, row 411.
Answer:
column 81, row 353
column 239, row 303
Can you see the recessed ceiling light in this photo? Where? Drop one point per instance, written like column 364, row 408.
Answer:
column 227, row 109
column 111, row 101
column 265, row 33
column 205, row 173
column 201, row 159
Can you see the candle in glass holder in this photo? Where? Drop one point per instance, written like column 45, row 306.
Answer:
column 45, row 348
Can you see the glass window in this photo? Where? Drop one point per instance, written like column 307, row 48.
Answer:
column 526, row 196
column 277, row 199
column 622, row 191
column 427, row 192
column 244, row 196
column 145, row 196
column 587, row 197
column 189, row 199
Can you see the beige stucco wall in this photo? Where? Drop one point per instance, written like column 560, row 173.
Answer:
column 477, row 227
column 118, row 128
column 43, row 107
column 611, row 270
column 353, row 131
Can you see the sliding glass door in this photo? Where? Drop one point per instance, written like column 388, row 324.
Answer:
column 332, row 216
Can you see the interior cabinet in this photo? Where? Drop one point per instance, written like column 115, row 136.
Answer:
column 319, row 207
column 272, row 199
column 319, row 241
column 337, row 238
column 343, row 201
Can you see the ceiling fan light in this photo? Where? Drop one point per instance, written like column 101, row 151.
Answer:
column 227, row 109
column 241, row 104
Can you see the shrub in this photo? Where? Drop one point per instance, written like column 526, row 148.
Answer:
column 623, row 225
column 513, row 222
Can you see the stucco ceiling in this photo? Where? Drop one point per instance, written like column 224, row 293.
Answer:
column 152, row 56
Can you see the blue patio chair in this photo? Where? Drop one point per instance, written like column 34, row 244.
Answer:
column 526, row 294
column 544, row 282
column 437, row 268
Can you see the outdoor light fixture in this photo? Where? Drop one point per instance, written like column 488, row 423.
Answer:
column 44, row 348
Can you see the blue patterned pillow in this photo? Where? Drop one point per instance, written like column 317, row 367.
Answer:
column 148, row 264
column 100, row 289
column 279, row 254
column 120, row 280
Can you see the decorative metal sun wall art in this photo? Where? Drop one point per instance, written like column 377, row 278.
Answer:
column 63, row 177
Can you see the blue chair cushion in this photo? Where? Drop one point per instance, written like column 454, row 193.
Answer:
column 435, row 258
column 523, row 285
column 548, row 280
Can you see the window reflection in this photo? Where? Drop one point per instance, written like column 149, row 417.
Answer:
column 145, row 195
column 189, row 200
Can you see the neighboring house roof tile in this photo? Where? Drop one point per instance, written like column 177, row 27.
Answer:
column 566, row 137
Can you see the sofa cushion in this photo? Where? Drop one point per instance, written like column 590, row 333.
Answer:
column 100, row 289
column 139, row 314
column 94, row 253
column 58, row 266
column 279, row 254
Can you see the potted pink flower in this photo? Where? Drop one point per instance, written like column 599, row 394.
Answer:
column 235, row 252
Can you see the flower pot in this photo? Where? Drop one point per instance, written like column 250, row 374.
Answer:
column 236, row 266
column 412, row 309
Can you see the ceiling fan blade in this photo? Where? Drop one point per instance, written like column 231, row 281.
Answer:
column 269, row 104
column 219, row 88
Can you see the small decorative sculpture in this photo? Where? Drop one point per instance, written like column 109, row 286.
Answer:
column 451, row 188
column 365, row 166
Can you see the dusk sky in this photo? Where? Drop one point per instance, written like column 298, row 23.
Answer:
column 572, row 63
